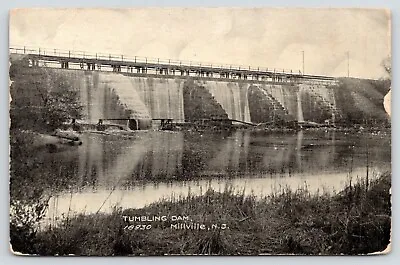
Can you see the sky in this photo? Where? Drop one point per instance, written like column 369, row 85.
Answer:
column 265, row 37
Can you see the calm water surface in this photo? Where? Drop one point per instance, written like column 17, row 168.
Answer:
column 130, row 172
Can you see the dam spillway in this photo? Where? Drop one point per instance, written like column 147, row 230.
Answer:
column 111, row 95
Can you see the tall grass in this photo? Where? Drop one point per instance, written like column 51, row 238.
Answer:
column 356, row 220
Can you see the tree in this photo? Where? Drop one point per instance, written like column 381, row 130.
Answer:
column 42, row 98
column 59, row 106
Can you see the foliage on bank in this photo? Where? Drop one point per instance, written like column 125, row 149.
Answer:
column 361, row 102
column 41, row 99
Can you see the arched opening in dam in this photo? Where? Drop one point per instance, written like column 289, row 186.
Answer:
column 133, row 124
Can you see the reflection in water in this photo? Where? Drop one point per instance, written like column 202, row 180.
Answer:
column 131, row 172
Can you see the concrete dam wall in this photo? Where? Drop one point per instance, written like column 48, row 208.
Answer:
column 107, row 95
column 111, row 95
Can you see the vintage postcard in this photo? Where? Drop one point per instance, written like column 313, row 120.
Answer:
column 200, row 131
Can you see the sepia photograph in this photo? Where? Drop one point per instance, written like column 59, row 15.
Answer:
column 200, row 131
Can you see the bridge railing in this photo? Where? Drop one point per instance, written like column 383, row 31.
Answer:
column 143, row 60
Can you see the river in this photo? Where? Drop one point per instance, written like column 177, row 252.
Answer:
column 146, row 166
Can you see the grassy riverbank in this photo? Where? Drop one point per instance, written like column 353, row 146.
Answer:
column 354, row 221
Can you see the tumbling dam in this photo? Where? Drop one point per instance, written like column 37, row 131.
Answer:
column 251, row 96
column 113, row 96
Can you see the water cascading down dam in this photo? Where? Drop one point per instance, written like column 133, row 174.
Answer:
column 112, row 96
column 182, row 93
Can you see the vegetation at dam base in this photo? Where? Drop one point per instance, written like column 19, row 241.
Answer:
column 36, row 105
column 357, row 220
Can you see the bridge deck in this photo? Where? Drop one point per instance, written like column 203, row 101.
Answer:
column 144, row 65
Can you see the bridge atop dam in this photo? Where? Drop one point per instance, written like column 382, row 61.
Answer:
column 142, row 89
column 66, row 59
